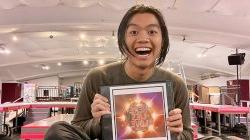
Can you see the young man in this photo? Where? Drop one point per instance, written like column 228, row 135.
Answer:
column 143, row 40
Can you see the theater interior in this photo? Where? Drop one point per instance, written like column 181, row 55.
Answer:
column 47, row 47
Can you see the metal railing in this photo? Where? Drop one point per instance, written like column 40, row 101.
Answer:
column 48, row 93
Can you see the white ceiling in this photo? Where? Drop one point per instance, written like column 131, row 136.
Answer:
column 86, row 30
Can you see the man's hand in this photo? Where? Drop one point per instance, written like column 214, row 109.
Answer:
column 100, row 106
column 174, row 121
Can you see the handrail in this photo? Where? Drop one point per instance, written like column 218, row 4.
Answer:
column 230, row 98
column 17, row 100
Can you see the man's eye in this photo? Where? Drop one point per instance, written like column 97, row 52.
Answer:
column 152, row 32
column 133, row 32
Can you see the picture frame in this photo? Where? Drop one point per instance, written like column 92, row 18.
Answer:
column 138, row 111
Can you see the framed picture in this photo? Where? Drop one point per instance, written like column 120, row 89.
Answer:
column 137, row 111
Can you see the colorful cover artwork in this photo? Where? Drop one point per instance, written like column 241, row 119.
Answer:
column 139, row 112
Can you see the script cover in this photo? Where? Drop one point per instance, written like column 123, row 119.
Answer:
column 137, row 111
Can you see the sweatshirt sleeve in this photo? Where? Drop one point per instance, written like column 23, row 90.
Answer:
column 83, row 116
column 182, row 102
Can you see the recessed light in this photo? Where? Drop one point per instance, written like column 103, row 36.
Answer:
column 7, row 51
column 201, row 55
column 82, row 36
column 100, row 52
column 101, row 62
column 14, row 38
column 170, row 69
column 45, row 67
column 85, row 62
column 59, row 64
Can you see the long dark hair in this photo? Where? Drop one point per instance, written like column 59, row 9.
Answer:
column 124, row 25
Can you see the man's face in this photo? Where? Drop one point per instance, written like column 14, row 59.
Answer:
column 144, row 39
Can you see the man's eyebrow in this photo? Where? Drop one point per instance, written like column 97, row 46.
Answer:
column 132, row 24
column 150, row 25
column 154, row 25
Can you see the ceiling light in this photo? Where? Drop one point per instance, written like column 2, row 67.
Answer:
column 101, row 62
column 14, row 38
column 7, row 30
column 82, row 36
column 59, row 64
column 4, row 51
column 170, row 69
column 199, row 55
column 100, row 52
column 7, row 51
column 85, row 62
column 45, row 67
column 203, row 53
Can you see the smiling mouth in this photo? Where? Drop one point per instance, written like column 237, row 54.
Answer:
column 143, row 51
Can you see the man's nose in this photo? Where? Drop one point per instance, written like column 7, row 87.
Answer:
column 143, row 37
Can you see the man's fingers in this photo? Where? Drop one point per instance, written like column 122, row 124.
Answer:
column 174, row 118
column 175, row 111
column 100, row 113
column 98, row 96
column 99, row 110
column 175, row 129
column 100, row 106
column 174, row 123
column 99, row 101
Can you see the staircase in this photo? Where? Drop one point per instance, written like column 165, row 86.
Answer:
column 36, row 114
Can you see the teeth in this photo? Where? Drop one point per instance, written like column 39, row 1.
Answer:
column 142, row 49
